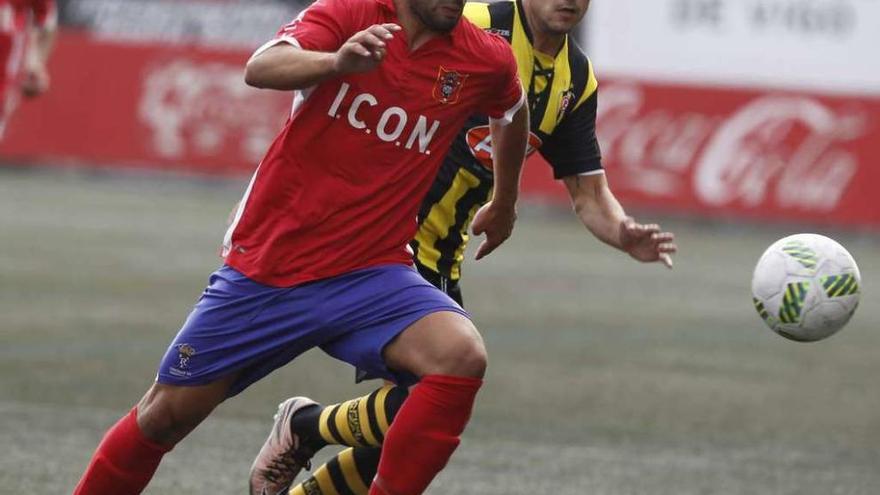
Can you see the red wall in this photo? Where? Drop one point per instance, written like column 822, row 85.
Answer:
column 712, row 151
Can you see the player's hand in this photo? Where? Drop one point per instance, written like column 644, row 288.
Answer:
column 497, row 223
column 647, row 242
column 365, row 50
column 36, row 81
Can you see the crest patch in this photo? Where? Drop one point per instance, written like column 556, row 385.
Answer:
column 564, row 102
column 184, row 353
column 447, row 89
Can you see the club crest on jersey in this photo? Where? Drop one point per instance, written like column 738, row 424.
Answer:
column 564, row 103
column 184, row 353
column 447, row 89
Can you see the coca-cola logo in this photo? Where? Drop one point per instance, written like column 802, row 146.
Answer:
column 195, row 109
column 791, row 150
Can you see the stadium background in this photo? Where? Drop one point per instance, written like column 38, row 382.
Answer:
column 734, row 122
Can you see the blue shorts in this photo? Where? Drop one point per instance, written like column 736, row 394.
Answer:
column 241, row 326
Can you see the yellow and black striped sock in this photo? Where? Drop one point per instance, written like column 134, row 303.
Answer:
column 349, row 473
column 360, row 422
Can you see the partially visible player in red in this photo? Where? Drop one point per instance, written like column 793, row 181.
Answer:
column 27, row 30
column 318, row 252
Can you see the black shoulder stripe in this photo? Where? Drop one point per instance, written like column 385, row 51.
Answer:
column 520, row 9
column 580, row 69
column 502, row 16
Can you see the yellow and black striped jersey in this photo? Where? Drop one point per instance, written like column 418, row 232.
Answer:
column 562, row 94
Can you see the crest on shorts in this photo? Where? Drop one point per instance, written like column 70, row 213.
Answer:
column 447, row 89
column 184, row 353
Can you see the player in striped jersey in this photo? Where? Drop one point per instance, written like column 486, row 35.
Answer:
column 562, row 93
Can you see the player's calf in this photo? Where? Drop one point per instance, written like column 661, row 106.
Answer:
column 350, row 472
column 124, row 461
column 360, row 422
column 132, row 449
column 168, row 413
column 446, row 352
column 424, row 434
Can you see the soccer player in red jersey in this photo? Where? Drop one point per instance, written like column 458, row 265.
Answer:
column 27, row 29
column 562, row 91
column 317, row 254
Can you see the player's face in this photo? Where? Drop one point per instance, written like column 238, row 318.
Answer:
column 438, row 15
column 557, row 16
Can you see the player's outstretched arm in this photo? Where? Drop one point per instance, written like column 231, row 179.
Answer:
column 497, row 217
column 285, row 67
column 602, row 214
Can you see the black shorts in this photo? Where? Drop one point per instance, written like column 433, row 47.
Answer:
column 447, row 285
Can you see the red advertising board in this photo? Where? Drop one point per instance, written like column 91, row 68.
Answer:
column 745, row 153
column 164, row 106
column 706, row 150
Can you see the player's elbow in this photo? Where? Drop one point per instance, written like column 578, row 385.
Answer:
column 254, row 74
column 262, row 72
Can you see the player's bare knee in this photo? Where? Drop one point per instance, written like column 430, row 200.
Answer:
column 465, row 356
column 443, row 343
column 472, row 362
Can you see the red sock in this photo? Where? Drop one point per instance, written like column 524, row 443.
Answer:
column 124, row 462
column 424, row 434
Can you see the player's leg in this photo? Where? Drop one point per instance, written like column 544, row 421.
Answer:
column 360, row 422
column 397, row 326
column 451, row 367
column 238, row 332
column 445, row 350
column 350, row 472
column 302, row 427
column 9, row 99
column 131, row 450
column 8, row 96
column 5, row 106
column 365, row 459
column 12, row 51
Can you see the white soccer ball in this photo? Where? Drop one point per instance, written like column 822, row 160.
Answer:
column 806, row 287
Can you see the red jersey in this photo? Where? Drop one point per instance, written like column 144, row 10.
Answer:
column 340, row 187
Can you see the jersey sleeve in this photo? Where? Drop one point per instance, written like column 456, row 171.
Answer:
column 323, row 26
column 45, row 14
column 507, row 92
column 573, row 148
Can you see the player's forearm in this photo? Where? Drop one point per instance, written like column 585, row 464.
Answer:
column 509, row 151
column 597, row 207
column 286, row 68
